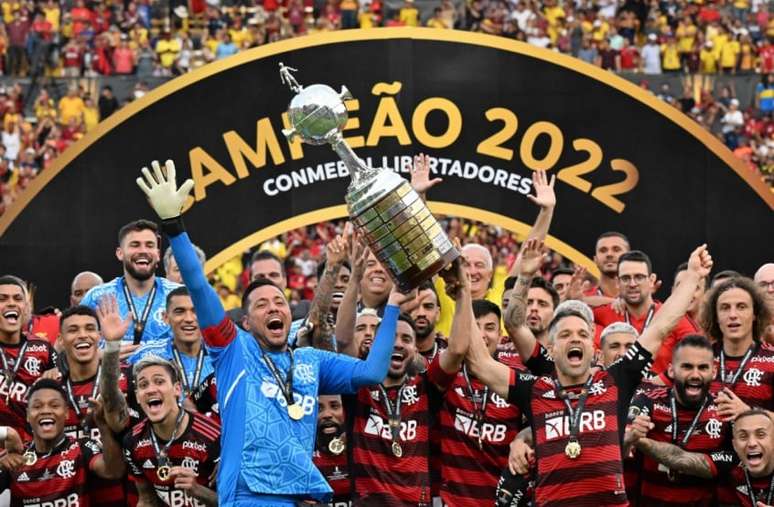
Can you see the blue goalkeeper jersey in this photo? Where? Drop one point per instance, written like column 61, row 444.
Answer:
column 155, row 327
column 266, row 455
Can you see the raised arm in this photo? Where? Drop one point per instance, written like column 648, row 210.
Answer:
column 484, row 367
column 110, row 464
column 463, row 322
column 321, row 331
column 167, row 201
column 113, row 328
column 530, row 259
column 676, row 458
column 346, row 315
column 674, row 308
column 546, row 199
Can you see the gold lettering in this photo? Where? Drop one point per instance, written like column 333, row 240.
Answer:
column 493, row 145
column 387, row 111
column 352, row 124
column 555, row 146
column 296, row 151
column 239, row 150
column 453, row 115
column 201, row 160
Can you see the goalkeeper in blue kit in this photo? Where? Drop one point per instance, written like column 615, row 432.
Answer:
column 267, row 393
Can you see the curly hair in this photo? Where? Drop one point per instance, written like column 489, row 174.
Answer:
column 709, row 314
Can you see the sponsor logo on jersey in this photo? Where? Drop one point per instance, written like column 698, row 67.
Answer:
column 559, row 427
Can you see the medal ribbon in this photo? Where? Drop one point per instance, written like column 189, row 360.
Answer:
column 12, row 373
column 479, row 410
column 574, row 414
column 187, row 388
column 393, row 413
column 161, row 455
column 751, row 493
column 648, row 318
column 139, row 325
column 286, row 386
column 753, row 348
column 71, row 396
column 691, row 428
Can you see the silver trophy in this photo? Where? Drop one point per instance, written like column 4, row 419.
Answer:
column 395, row 221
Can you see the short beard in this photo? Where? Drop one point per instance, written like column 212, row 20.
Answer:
column 137, row 275
column 424, row 333
column 323, row 439
column 680, row 388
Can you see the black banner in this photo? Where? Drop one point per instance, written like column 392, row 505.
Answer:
column 486, row 109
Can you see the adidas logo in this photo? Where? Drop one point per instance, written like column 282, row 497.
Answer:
column 148, row 464
column 23, row 477
column 550, row 395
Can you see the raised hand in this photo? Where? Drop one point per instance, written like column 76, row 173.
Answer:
column 336, row 251
column 640, row 427
column 531, row 257
column 729, row 405
column 161, row 188
column 420, row 175
column 700, row 262
column 111, row 324
column 358, row 255
column 575, row 290
column 544, row 190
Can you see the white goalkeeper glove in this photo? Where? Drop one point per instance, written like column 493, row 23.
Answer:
column 164, row 196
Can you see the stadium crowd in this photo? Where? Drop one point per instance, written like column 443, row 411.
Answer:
column 48, row 39
column 511, row 378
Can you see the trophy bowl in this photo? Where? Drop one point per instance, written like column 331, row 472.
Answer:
column 317, row 113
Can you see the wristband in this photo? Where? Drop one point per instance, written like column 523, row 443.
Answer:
column 113, row 346
column 3, row 432
column 173, row 226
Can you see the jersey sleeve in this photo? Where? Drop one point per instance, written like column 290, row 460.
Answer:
column 641, row 404
column 202, row 397
column 520, row 389
column 437, row 375
column 340, row 374
column 540, row 363
column 217, row 329
column 90, row 451
column 129, row 445
column 722, row 462
column 629, row 370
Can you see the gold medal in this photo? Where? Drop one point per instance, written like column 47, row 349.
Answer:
column 336, row 446
column 295, row 411
column 397, row 450
column 30, row 458
column 572, row 449
column 162, row 473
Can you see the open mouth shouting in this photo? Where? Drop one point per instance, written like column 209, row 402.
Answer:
column 47, row 425
column 397, row 359
column 694, row 388
column 754, row 459
column 329, row 427
column 275, row 327
column 575, row 355
column 155, row 407
column 337, row 296
column 12, row 316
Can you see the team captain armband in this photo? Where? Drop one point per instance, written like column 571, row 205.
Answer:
column 221, row 334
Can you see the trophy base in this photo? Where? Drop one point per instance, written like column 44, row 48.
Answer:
column 400, row 229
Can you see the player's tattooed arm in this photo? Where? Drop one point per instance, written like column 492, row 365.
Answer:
column 322, row 331
column 530, row 260
column 146, row 494
column 675, row 458
column 113, row 329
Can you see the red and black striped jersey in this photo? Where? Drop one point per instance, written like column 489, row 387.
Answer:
column 335, row 469
column 205, row 398
column 755, row 384
column 380, row 477
column 436, row 459
column 37, row 356
column 55, row 478
column 730, row 473
column 197, row 448
column 659, row 486
column 103, row 492
column 470, row 473
column 597, row 474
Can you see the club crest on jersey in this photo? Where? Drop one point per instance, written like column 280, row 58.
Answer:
column 558, row 427
column 158, row 316
column 597, row 388
column 752, row 377
column 32, row 365
column 191, row 464
column 304, row 373
column 499, row 401
column 66, row 469
column 713, row 428
column 410, row 395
